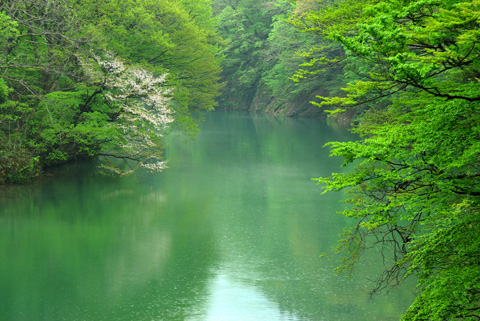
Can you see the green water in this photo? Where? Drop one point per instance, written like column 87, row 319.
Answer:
column 233, row 230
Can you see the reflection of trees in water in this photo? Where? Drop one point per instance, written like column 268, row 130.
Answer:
column 272, row 221
column 237, row 202
column 119, row 255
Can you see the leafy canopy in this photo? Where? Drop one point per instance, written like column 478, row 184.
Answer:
column 89, row 78
column 414, row 190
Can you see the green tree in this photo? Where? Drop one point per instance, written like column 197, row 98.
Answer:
column 284, row 48
column 414, row 191
column 173, row 36
column 245, row 24
column 121, row 114
column 88, row 78
column 36, row 57
column 262, row 54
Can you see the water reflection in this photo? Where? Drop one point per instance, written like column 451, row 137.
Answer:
column 232, row 231
column 232, row 300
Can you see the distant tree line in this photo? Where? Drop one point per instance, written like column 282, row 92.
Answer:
column 262, row 53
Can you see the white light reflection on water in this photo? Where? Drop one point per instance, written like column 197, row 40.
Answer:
column 233, row 300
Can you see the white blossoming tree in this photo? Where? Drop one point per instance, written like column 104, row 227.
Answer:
column 59, row 103
column 116, row 111
column 138, row 112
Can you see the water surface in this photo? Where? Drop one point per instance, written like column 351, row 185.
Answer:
column 233, row 230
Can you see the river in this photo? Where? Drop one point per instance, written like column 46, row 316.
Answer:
column 233, row 230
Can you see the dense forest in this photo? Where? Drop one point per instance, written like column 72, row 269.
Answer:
column 263, row 53
column 101, row 78
column 108, row 79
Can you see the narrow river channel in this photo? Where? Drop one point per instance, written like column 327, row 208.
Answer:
column 233, row 230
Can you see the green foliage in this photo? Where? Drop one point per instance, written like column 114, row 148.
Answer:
column 172, row 36
column 245, row 25
column 65, row 131
column 17, row 166
column 3, row 91
column 8, row 28
column 448, row 265
column 261, row 57
column 25, row 173
column 414, row 190
column 88, row 78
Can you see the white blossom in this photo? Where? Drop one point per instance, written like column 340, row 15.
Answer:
column 155, row 167
column 142, row 105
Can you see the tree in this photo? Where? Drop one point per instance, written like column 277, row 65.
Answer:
column 36, row 58
column 121, row 114
column 87, row 78
column 245, row 24
column 414, row 190
column 262, row 55
column 287, row 48
column 177, row 37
